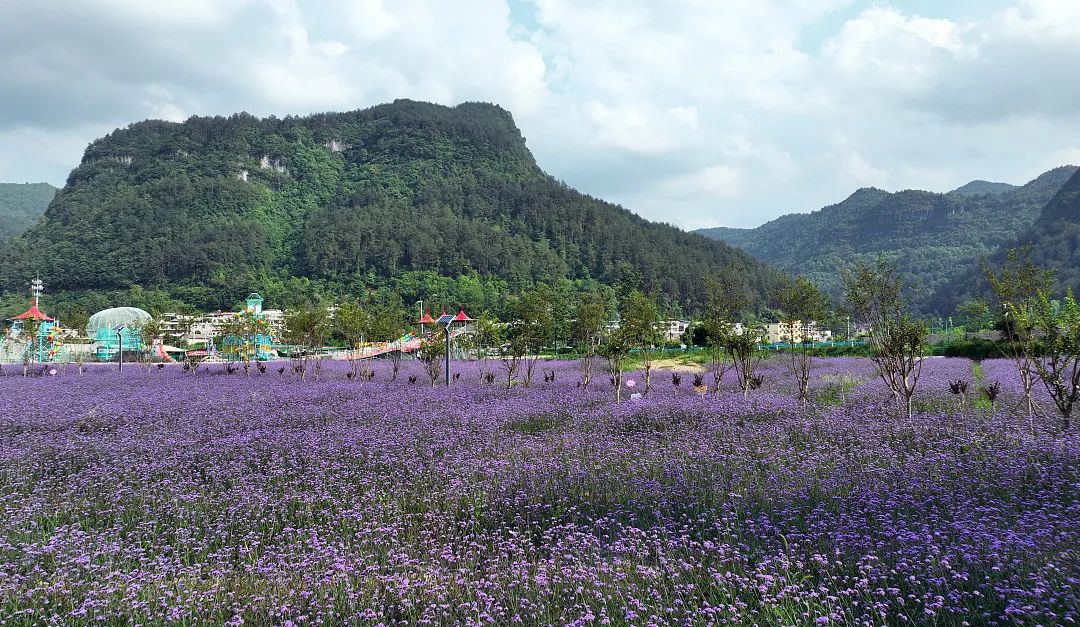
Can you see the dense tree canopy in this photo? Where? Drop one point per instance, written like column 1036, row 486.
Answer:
column 1053, row 242
column 204, row 211
column 21, row 205
column 931, row 238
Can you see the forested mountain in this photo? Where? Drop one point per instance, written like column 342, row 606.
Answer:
column 979, row 187
column 21, row 204
column 205, row 211
column 931, row 237
column 1054, row 242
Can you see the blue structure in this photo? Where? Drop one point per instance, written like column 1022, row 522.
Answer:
column 46, row 344
column 258, row 345
column 102, row 325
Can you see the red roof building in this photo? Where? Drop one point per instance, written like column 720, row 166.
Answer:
column 33, row 314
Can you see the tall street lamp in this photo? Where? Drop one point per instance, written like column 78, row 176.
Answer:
column 119, row 344
column 448, row 322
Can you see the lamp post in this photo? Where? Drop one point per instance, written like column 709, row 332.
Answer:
column 119, row 345
column 448, row 321
column 420, row 307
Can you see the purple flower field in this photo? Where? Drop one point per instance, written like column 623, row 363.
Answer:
column 163, row 497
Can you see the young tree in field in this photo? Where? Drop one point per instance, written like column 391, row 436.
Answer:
column 616, row 349
column 431, row 353
column 874, row 294
column 228, row 339
column 241, row 332
column 531, row 325
column 481, row 338
column 727, row 295
column 639, row 317
column 1015, row 286
column 590, row 318
column 745, row 353
column 148, row 332
column 801, row 302
column 353, row 321
column 306, row 328
column 30, row 330
column 79, row 357
column 512, row 351
column 388, row 323
column 562, row 313
column 1057, row 336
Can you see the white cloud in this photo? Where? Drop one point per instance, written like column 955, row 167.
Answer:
column 691, row 111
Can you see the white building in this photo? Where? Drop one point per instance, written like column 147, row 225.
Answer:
column 797, row 332
column 673, row 330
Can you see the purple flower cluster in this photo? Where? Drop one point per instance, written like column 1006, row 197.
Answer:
column 167, row 497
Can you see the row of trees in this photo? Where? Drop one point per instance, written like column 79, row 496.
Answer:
column 1042, row 334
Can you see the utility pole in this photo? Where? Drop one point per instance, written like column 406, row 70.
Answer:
column 37, row 287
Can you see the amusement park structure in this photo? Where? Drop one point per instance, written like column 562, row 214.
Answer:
column 251, row 334
column 116, row 330
column 34, row 335
column 410, row 341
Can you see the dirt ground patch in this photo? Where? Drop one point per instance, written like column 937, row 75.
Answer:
column 677, row 364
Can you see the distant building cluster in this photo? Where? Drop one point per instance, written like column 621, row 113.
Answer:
column 797, row 332
column 202, row 329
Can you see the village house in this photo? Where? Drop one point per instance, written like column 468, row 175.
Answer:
column 797, row 332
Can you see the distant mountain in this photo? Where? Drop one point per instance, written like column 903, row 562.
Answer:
column 1054, row 241
column 402, row 195
column 21, row 204
column 980, row 188
column 931, row 237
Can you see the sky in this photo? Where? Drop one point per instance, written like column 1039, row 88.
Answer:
column 694, row 112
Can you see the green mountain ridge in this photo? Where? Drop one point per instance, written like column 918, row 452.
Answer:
column 980, row 187
column 932, row 237
column 1053, row 240
column 21, row 204
column 205, row 211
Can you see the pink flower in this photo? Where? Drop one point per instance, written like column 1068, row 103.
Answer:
column 630, row 383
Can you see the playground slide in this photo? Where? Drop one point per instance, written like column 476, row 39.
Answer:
column 406, row 344
column 163, row 355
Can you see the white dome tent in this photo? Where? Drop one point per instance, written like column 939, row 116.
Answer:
column 102, row 329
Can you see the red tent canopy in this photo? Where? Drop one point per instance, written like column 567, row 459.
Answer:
column 462, row 316
column 32, row 313
column 426, row 319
